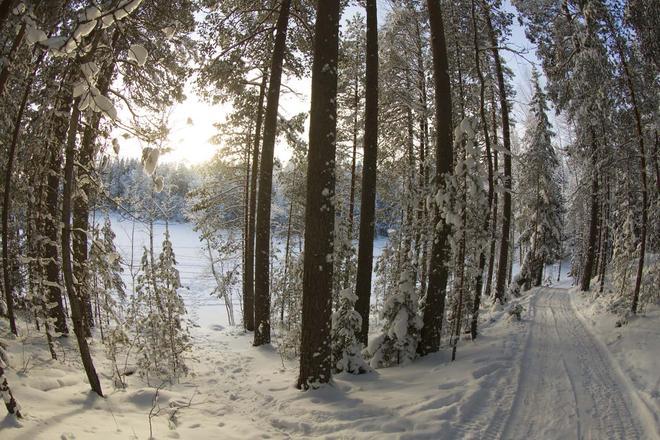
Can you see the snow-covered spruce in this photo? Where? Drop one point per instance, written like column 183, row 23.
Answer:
column 397, row 343
column 346, row 324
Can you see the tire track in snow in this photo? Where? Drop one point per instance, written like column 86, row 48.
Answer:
column 568, row 387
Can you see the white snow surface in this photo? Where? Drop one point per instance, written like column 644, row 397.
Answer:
column 550, row 376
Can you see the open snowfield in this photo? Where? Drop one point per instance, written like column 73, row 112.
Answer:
column 556, row 374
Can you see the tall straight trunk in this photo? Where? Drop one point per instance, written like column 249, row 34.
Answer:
column 642, row 160
column 494, row 204
column 287, row 251
column 590, row 248
column 351, row 199
column 369, row 162
column 315, row 345
column 6, row 208
column 604, row 250
column 51, row 228
column 81, row 227
column 248, row 273
column 501, row 280
column 6, row 68
column 478, row 283
column 434, row 305
column 421, row 243
column 77, row 314
column 262, row 245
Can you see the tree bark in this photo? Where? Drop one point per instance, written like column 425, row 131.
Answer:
column 6, row 208
column 77, row 314
column 315, row 346
column 80, row 212
column 495, row 202
column 500, row 282
column 262, row 245
column 369, row 163
column 590, row 248
column 478, row 283
column 248, row 280
column 434, row 306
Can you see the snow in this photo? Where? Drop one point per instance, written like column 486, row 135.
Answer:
column 507, row 382
column 137, row 54
column 634, row 349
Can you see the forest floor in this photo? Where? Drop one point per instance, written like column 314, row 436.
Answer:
column 548, row 376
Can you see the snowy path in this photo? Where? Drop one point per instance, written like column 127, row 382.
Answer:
column 568, row 387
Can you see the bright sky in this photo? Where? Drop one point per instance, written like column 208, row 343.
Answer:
column 191, row 142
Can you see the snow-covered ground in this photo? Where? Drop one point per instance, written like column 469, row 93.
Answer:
column 544, row 377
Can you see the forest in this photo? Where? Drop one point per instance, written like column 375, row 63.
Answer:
column 421, row 219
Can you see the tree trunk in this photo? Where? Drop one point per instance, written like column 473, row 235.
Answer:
column 495, row 202
column 500, row 282
column 478, row 283
column 590, row 248
column 262, row 246
column 369, row 163
column 81, row 227
column 74, row 299
column 315, row 346
column 248, row 275
column 434, row 305
column 6, row 208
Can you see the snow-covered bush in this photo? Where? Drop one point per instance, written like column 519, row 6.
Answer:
column 159, row 318
column 346, row 324
column 397, row 344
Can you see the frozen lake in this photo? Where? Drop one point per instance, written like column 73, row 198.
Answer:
column 198, row 283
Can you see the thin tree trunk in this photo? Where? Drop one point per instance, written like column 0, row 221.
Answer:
column 81, row 227
column 6, row 208
column 587, row 268
column 351, row 199
column 500, row 282
column 478, row 283
column 262, row 245
column 434, row 305
column 369, row 163
column 287, row 248
column 315, row 346
column 74, row 299
column 495, row 202
column 248, row 275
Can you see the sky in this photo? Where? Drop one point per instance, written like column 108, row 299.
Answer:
column 192, row 122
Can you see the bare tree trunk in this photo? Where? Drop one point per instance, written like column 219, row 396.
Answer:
column 81, row 227
column 6, row 208
column 369, row 163
column 287, row 249
column 315, row 346
column 262, row 245
column 248, row 273
column 500, row 283
column 74, row 299
column 495, row 202
column 590, row 248
column 478, row 283
column 434, row 305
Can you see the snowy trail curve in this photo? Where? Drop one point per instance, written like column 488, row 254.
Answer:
column 568, row 387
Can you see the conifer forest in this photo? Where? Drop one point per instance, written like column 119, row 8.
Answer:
column 341, row 219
